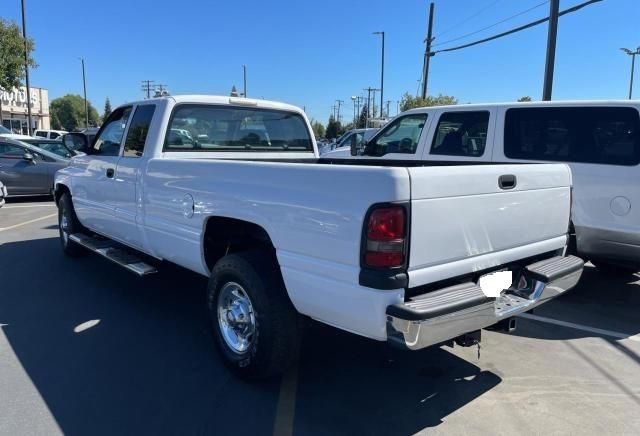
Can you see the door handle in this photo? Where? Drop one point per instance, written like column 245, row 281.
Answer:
column 507, row 181
column 110, row 172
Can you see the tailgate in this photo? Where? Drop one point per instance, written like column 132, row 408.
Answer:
column 462, row 221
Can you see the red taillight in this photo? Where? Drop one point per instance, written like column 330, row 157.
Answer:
column 386, row 233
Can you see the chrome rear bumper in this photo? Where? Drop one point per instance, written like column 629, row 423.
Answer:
column 447, row 313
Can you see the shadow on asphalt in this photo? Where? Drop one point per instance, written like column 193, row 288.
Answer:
column 149, row 366
column 600, row 300
column 30, row 199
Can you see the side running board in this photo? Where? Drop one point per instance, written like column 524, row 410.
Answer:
column 116, row 253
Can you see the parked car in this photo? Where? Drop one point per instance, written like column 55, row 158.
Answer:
column 28, row 170
column 3, row 193
column 6, row 133
column 599, row 140
column 49, row 134
column 412, row 255
column 53, row 146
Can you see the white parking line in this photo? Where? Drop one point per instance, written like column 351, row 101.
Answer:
column 28, row 205
column 603, row 332
column 2, row 229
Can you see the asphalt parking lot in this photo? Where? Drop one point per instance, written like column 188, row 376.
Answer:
column 88, row 348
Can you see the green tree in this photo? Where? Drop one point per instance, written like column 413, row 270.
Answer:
column 408, row 101
column 333, row 128
column 68, row 113
column 525, row 98
column 107, row 110
column 362, row 118
column 318, row 128
column 12, row 47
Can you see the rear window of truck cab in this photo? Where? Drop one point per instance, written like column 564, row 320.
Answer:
column 231, row 128
column 598, row 135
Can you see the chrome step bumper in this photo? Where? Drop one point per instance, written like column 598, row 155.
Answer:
column 447, row 313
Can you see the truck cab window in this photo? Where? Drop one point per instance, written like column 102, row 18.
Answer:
column 110, row 136
column 400, row 136
column 137, row 133
column 461, row 134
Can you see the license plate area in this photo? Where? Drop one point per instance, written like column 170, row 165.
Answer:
column 494, row 283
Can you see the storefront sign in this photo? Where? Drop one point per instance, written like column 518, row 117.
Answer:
column 18, row 97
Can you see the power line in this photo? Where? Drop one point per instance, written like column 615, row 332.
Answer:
column 517, row 29
column 468, row 19
column 494, row 24
column 147, row 87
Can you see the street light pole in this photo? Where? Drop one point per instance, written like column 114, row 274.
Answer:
column 381, row 74
column 26, row 70
column 244, row 78
column 86, row 105
column 353, row 101
column 633, row 64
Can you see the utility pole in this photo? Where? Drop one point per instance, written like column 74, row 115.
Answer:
column 633, row 55
column 366, row 118
column 551, row 49
column 333, row 108
column 26, row 70
column 381, row 74
column 427, row 53
column 147, row 86
column 339, row 103
column 161, row 90
column 388, row 103
column 86, row 104
column 244, row 78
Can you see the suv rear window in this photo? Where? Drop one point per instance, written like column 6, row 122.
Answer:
column 600, row 135
column 232, row 128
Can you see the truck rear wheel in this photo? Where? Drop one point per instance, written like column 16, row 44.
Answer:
column 254, row 323
column 68, row 224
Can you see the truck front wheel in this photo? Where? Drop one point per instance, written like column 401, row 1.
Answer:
column 254, row 323
column 68, row 224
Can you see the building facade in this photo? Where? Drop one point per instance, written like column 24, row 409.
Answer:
column 14, row 109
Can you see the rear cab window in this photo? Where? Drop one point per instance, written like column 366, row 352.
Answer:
column 223, row 128
column 598, row 135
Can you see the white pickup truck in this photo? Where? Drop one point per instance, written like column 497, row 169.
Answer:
column 416, row 254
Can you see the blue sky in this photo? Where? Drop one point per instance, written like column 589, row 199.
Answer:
column 311, row 53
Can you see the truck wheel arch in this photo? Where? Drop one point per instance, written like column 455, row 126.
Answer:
column 59, row 190
column 223, row 235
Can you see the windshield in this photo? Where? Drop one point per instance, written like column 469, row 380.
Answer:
column 4, row 130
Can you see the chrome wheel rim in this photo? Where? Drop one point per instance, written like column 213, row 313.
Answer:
column 236, row 318
column 64, row 226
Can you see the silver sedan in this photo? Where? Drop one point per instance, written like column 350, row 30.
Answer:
column 26, row 169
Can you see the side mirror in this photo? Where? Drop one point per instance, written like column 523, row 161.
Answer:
column 76, row 141
column 28, row 156
column 357, row 148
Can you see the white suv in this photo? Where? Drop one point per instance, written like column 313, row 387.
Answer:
column 599, row 140
column 49, row 134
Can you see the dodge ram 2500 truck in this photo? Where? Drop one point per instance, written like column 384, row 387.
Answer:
column 416, row 254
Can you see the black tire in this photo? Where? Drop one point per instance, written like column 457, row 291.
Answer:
column 275, row 339
column 71, row 225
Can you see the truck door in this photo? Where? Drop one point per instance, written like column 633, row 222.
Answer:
column 128, row 176
column 97, row 190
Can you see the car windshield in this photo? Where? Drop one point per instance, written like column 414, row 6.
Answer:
column 54, row 147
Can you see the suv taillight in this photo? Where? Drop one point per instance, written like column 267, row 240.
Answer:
column 386, row 237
